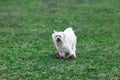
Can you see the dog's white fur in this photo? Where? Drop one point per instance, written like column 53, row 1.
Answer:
column 66, row 42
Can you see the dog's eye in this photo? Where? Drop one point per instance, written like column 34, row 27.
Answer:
column 55, row 36
column 60, row 36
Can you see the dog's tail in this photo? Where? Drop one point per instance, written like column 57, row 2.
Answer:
column 68, row 30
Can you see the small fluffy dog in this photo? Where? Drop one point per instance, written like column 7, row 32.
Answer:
column 65, row 42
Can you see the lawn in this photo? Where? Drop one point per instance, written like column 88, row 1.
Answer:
column 27, row 51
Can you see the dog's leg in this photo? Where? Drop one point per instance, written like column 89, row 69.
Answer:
column 74, row 47
column 61, row 54
column 71, row 53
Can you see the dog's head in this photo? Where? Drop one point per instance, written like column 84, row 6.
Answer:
column 59, row 37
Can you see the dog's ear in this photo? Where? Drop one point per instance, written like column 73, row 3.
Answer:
column 55, row 31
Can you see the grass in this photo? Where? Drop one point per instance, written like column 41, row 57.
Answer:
column 27, row 51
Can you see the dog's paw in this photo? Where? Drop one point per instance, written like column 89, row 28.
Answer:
column 72, row 57
column 60, row 57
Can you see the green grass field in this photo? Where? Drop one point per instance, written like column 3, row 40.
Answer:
column 27, row 51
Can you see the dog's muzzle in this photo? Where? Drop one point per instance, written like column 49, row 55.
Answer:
column 58, row 39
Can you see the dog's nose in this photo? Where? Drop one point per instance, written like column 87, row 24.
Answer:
column 58, row 39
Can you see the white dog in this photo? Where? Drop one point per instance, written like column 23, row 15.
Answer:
column 65, row 42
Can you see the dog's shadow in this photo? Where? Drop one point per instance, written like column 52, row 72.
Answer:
column 54, row 56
